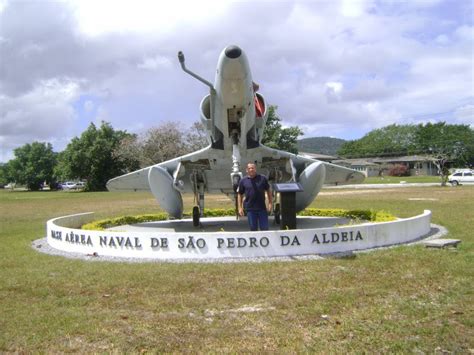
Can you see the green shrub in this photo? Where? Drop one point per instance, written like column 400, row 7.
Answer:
column 364, row 215
column 357, row 215
column 103, row 224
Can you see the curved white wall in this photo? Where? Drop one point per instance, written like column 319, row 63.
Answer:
column 62, row 234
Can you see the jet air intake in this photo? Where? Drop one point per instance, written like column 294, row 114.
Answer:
column 233, row 52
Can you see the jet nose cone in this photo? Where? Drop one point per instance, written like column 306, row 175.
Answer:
column 233, row 52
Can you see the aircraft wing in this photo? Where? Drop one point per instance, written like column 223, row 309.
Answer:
column 135, row 181
column 339, row 175
column 216, row 170
column 311, row 174
column 138, row 180
column 334, row 174
column 209, row 170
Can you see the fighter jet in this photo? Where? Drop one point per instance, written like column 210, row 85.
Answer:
column 234, row 116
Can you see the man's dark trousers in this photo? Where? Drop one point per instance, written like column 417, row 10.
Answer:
column 258, row 218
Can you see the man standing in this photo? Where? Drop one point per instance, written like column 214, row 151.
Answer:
column 254, row 186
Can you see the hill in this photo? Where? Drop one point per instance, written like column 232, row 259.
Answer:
column 321, row 145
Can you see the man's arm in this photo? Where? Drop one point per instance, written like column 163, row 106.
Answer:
column 240, row 204
column 270, row 199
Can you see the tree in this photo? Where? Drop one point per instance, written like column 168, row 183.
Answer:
column 448, row 145
column 275, row 136
column 91, row 157
column 128, row 153
column 196, row 137
column 390, row 140
column 5, row 176
column 33, row 165
column 161, row 143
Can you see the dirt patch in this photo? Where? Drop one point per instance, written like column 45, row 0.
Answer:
column 210, row 314
column 422, row 199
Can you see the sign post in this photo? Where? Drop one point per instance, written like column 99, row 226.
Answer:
column 288, row 192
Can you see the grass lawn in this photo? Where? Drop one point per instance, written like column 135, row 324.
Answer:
column 405, row 299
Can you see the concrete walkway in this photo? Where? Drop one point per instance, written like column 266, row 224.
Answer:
column 224, row 224
column 383, row 186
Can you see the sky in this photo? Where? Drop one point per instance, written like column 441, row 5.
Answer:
column 333, row 67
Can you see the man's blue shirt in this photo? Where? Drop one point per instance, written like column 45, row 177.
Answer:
column 254, row 195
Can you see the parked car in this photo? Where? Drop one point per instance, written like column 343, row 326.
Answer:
column 80, row 185
column 68, row 185
column 461, row 177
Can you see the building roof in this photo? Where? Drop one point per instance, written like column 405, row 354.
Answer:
column 373, row 161
column 407, row 158
column 322, row 157
column 355, row 162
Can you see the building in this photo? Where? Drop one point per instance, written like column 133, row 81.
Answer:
column 375, row 166
column 365, row 166
column 416, row 164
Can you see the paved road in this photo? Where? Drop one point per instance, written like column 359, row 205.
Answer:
column 382, row 186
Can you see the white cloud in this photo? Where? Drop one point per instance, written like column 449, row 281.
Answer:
column 465, row 33
column 89, row 105
column 155, row 63
column 41, row 114
column 333, row 67
column 353, row 8
column 420, row 4
column 102, row 115
column 333, row 91
column 144, row 16
column 442, row 39
column 371, row 89
column 3, row 4
column 465, row 114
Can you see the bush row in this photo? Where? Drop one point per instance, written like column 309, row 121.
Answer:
column 358, row 215
column 363, row 215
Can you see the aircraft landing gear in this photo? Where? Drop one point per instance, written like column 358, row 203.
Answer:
column 198, row 209
column 196, row 216
column 276, row 213
column 235, row 186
